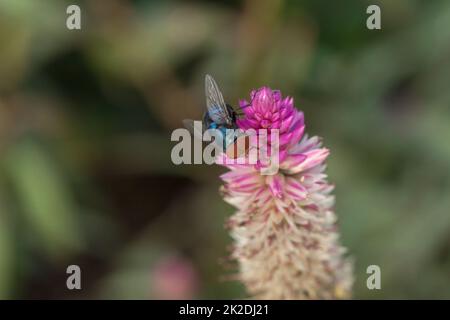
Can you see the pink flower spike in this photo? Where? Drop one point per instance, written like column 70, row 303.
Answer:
column 285, row 235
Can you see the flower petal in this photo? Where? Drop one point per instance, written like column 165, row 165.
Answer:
column 275, row 184
column 313, row 158
column 295, row 189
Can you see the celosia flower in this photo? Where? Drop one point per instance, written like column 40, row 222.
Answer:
column 286, row 240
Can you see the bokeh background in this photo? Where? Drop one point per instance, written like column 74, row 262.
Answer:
column 86, row 118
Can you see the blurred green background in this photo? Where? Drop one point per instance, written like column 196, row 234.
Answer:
column 86, row 118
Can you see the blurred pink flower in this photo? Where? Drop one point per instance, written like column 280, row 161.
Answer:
column 174, row 278
column 286, row 240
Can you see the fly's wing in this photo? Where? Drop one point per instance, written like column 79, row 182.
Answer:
column 217, row 109
column 195, row 130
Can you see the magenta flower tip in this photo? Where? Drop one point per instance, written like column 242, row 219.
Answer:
column 268, row 110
